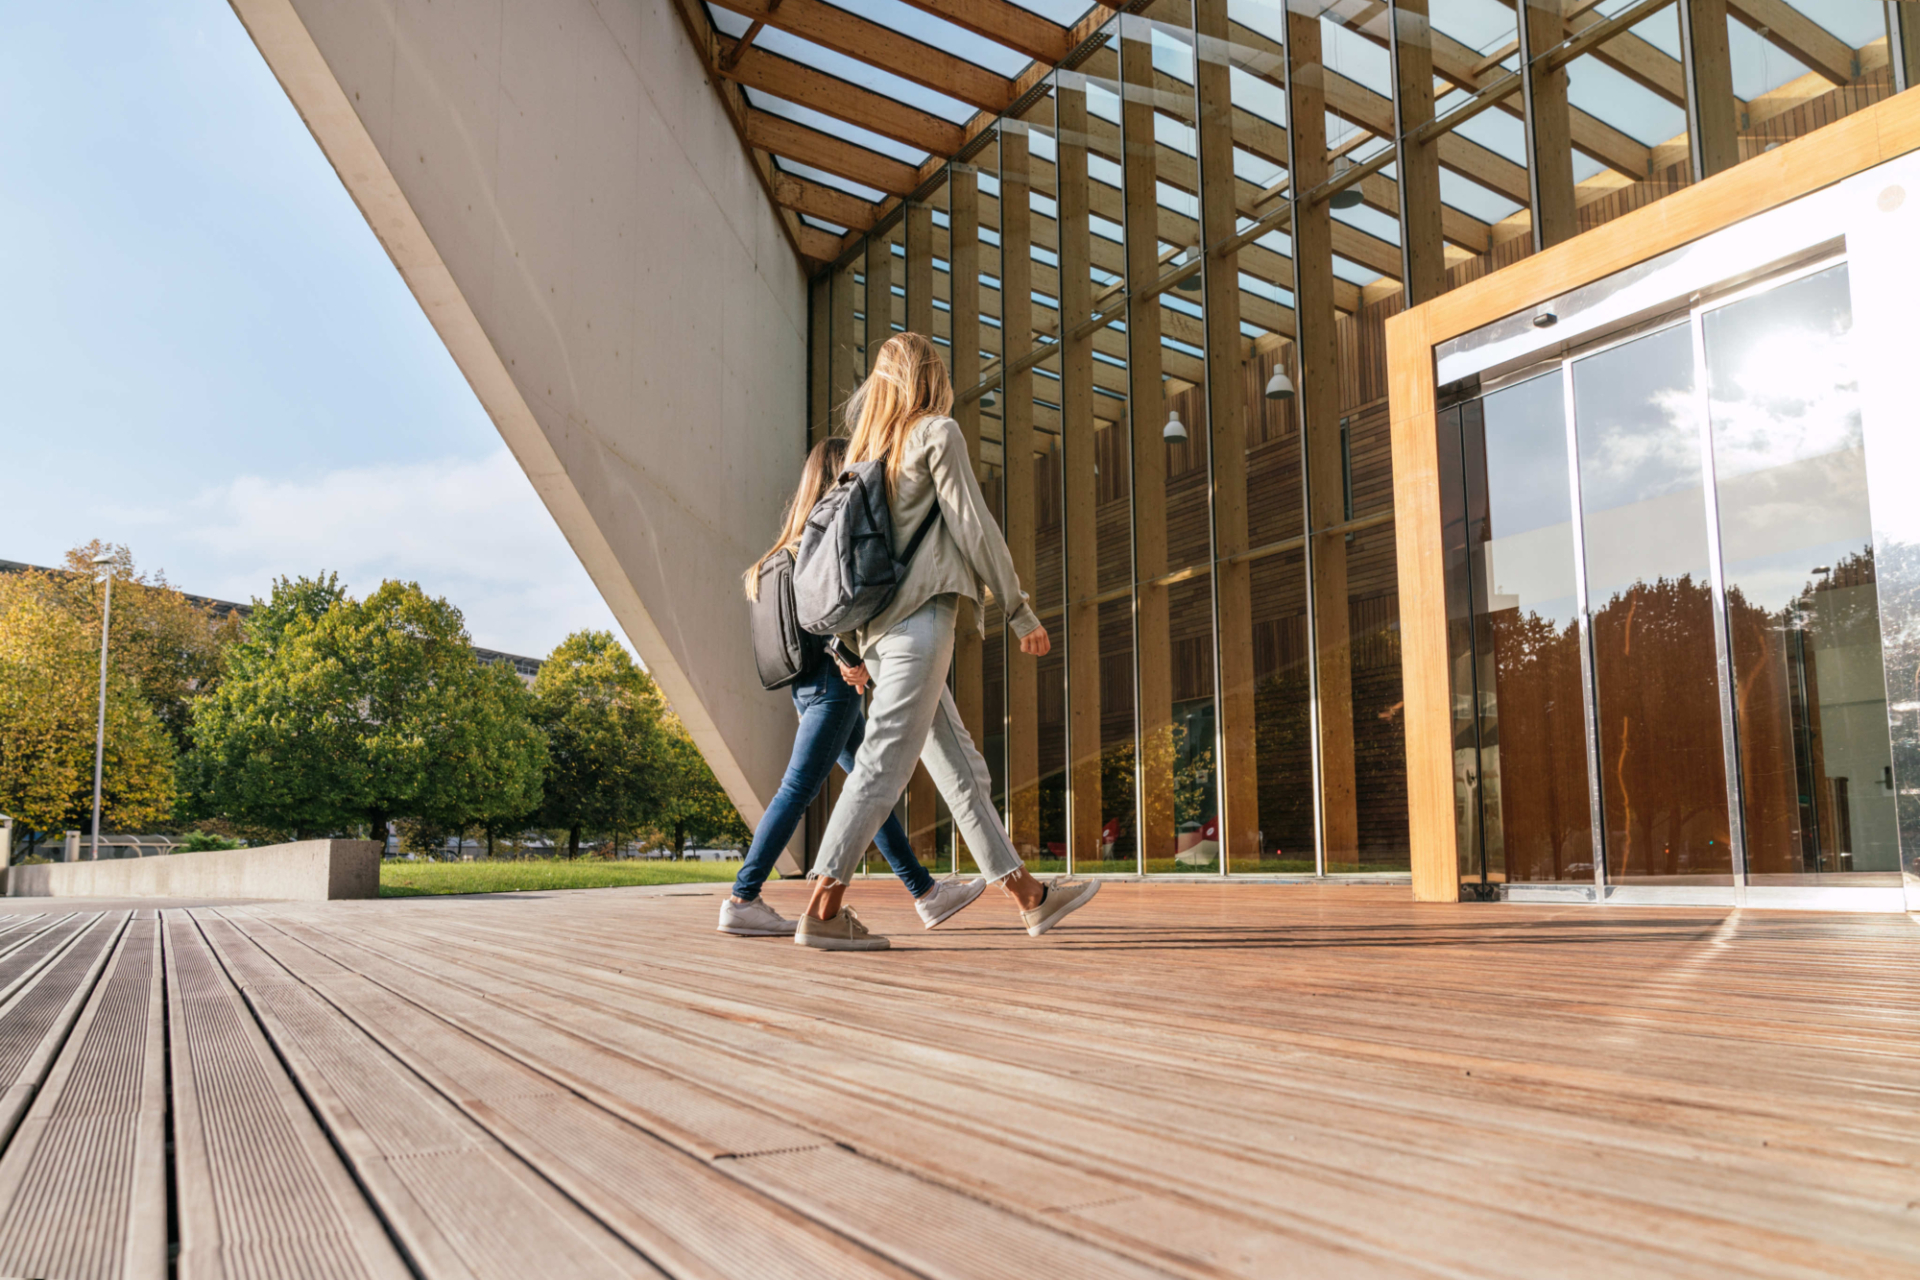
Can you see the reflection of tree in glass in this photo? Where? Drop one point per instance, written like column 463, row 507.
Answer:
column 1661, row 765
column 1535, row 748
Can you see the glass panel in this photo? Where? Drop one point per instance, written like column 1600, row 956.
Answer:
column 1532, row 731
column 1802, row 605
column 1785, row 87
column 1662, row 766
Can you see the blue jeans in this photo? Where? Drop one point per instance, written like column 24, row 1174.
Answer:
column 831, row 729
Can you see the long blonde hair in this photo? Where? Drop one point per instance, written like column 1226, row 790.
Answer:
column 908, row 383
column 822, row 468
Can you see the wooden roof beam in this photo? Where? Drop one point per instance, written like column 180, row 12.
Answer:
column 817, row 200
column 780, row 136
column 1021, row 30
column 854, row 36
column 842, row 99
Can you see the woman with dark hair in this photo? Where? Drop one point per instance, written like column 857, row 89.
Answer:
column 901, row 415
column 827, row 700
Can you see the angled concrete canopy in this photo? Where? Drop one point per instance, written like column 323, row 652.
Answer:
column 561, row 189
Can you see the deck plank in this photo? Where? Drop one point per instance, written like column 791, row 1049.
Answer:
column 262, row 1195
column 703, row 1210
column 459, row 1203
column 35, row 1019
column 1748, row 1084
column 83, row 1186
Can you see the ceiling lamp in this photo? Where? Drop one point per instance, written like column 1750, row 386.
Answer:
column 1176, row 431
column 1189, row 284
column 1346, row 197
column 986, row 401
column 1279, row 386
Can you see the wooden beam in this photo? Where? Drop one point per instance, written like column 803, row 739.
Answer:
column 854, row 36
column 1811, row 44
column 1423, row 250
column 1085, row 802
column 1713, row 125
column 1239, row 773
column 1319, row 399
column 783, row 137
column 1153, row 647
column 1022, row 683
column 822, row 246
column 817, row 200
column 878, row 302
column 963, row 284
column 819, row 359
column 841, row 99
column 1021, row 30
column 1549, row 140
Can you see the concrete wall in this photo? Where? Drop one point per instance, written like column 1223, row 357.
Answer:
column 305, row 871
column 564, row 194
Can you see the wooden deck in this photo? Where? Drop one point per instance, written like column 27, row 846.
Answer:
column 1188, row 1080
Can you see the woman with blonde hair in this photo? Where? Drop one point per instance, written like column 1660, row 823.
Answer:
column 828, row 706
column 901, row 414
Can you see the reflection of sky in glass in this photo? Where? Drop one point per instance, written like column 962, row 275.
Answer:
column 1641, row 504
column 1788, row 457
column 1528, row 559
column 1638, row 435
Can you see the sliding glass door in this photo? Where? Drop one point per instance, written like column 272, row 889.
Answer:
column 1665, row 626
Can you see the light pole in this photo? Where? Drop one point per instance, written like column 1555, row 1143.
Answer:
column 100, row 730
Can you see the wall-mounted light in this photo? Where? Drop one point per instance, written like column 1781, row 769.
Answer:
column 1176, row 430
column 1545, row 318
column 1279, row 386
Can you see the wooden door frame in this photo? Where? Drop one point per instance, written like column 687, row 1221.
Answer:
column 1886, row 130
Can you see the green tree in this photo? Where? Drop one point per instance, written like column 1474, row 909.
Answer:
column 49, row 691
column 694, row 807
column 334, row 712
column 602, row 716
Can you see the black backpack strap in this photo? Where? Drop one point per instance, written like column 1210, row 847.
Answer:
column 920, row 534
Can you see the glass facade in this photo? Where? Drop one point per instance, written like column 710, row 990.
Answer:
column 1162, row 278
column 1671, row 650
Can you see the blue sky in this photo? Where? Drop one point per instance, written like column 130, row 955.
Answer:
column 209, row 357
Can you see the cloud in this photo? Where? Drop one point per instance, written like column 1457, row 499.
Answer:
column 469, row 529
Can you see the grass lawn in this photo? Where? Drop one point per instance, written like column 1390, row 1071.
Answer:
column 401, row 879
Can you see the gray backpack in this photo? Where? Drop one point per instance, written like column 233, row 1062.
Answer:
column 845, row 573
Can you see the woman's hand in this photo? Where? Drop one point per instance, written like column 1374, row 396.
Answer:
column 1036, row 643
column 856, row 676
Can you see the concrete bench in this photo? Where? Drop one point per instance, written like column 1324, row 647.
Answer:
column 306, row 870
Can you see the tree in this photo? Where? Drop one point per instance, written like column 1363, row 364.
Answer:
column 49, row 690
column 169, row 647
column 693, row 805
column 335, row 712
column 602, row 716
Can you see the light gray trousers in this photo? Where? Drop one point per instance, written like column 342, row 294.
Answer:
column 912, row 717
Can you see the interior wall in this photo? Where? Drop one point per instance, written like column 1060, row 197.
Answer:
column 563, row 192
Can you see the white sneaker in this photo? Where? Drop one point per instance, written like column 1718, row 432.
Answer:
column 1064, row 897
column 842, row 933
column 947, row 899
column 754, row 920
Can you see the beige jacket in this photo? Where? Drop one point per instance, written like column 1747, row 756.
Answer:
column 964, row 550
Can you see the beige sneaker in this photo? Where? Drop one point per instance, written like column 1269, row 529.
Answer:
column 1063, row 898
column 842, row 933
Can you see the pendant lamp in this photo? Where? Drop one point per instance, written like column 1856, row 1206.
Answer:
column 1176, row 429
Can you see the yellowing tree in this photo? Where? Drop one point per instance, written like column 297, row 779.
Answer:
column 48, row 703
